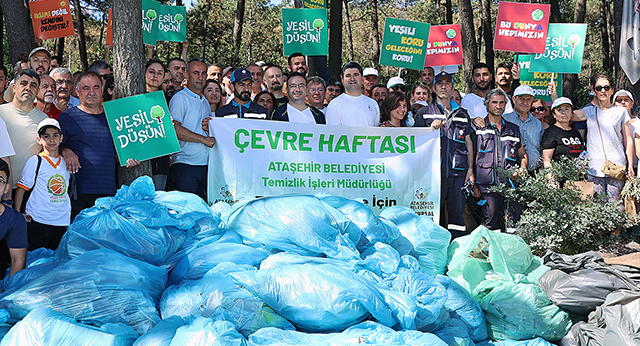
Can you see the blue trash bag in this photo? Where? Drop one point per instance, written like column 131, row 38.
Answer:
column 217, row 295
column 300, row 224
column 198, row 262
column 369, row 333
column 532, row 342
column 207, row 332
column 374, row 229
column 39, row 262
column 162, row 333
column 522, row 311
column 286, row 258
column 381, row 259
column 43, row 326
column 464, row 308
column 321, row 297
column 429, row 241
column 417, row 301
column 130, row 223
column 191, row 209
column 100, row 285
column 455, row 334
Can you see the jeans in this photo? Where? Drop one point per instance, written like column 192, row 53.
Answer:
column 188, row 178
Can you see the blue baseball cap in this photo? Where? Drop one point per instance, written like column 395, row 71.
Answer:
column 441, row 75
column 240, row 75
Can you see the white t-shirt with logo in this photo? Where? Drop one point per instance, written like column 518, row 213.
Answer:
column 353, row 111
column 296, row 116
column 49, row 202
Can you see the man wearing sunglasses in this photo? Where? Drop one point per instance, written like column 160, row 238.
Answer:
column 530, row 127
column 396, row 84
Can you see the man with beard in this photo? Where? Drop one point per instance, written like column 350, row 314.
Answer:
column 64, row 86
column 241, row 105
column 316, row 87
column 40, row 60
column 508, row 77
column 426, row 76
column 474, row 102
column 297, row 111
column 274, row 81
column 22, row 119
column 178, row 69
column 188, row 108
column 353, row 108
column 379, row 92
column 45, row 97
column 297, row 63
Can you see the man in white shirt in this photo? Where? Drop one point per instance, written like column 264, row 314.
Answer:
column 353, row 108
column 296, row 110
column 473, row 102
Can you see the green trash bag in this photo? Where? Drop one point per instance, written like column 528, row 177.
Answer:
column 484, row 254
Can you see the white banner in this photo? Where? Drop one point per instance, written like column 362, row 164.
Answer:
column 378, row 166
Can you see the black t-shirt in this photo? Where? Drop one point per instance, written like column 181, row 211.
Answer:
column 566, row 143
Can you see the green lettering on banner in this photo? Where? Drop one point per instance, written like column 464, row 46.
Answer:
column 141, row 127
column 305, row 30
column 564, row 49
column 404, row 43
column 538, row 80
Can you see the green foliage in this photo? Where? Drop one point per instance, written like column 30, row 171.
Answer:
column 559, row 219
column 632, row 189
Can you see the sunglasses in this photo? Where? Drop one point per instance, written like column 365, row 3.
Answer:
column 539, row 109
column 600, row 87
column 398, row 87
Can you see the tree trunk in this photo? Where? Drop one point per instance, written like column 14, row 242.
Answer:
column 335, row 38
column 468, row 40
column 348, row 28
column 605, row 25
column 128, row 61
column 487, row 33
column 237, row 26
column 82, row 45
column 621, row 80
column 555, row 11
column 60, row 50
column 449, row 11
column 375, row 37
column 18, row 25
column 570, row 82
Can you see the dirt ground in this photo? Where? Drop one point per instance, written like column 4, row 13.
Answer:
column 621, row 252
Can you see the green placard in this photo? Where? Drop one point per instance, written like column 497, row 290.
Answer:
column 304, row 30
column 141, row 127
column 539, row 81
column 150, row 14
column 563, row 53
column 172, row 23
column 314, row 4
column 404, row 43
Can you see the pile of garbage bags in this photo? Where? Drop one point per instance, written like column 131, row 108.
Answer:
column 164, row 268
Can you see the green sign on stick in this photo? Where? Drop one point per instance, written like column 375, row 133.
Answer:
column 150, row 13
column 314, row 4
column 172, row 24
column 563, row 53
column 404, row 43
column 141, row 127
column 539, row 81
column 304, row 30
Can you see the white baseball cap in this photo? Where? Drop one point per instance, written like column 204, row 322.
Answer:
column 623, row 92
column 393, row 81
column 524, row 90
column 369, row 71
column 48, row 122
column 561, row 101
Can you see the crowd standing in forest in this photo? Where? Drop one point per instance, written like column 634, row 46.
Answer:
column 55, row 144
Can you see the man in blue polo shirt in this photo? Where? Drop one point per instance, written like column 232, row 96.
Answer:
column 188, row 108
column 241, row 105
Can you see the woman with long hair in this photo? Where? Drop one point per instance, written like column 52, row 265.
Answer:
column 394, row 110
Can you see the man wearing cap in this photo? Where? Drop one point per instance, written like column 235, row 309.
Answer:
column 45, row 97
column 531, row 128
column 297, row 111
column 39, row 60
column 241, row 105
column 21, row 118
column 274, row 81
column 456, row 151
column 500, row 147
column 188, row 108
column 353, row 108
column 396, row 84
column 370, row 79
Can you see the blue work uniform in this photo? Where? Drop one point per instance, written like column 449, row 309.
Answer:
column 496, row 149
column 249, row 110
column 454, row 163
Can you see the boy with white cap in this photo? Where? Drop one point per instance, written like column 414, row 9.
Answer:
column 48, row 208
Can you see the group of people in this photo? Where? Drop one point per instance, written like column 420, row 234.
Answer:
column 57, row 153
